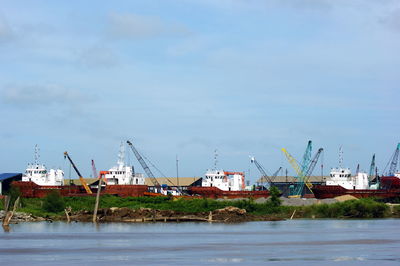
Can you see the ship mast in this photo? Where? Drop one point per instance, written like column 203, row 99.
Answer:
column 37, row 156
column 121, row 156
column 215, row 159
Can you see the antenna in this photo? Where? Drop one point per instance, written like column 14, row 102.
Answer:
column 177, row 170
column 215, row 159
column 37, row 156
column 121, row 155
column 341, row 157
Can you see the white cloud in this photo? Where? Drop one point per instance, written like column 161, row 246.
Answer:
column 392, row 20
column 98, row 56
column 127, row 26
column 44, row 95
column 6, row 32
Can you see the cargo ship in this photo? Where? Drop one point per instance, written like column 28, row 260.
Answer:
column 392, row 178
column 341, row 182
column 121, row 180
column 225, row 184
column 391, row 182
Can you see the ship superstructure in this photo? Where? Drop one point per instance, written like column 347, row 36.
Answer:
column 37, row 173
column 226, row 181
column 122, row 174
column 342, row 177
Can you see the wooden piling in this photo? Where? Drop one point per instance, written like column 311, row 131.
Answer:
column 67, row 211
column 96, row 205
column 9, row 214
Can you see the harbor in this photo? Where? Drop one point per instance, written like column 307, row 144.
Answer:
column 122, row 180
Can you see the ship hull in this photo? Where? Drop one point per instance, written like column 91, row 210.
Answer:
column 324, row 192
column 32, row 190
column 390, row 182
column 216, row 193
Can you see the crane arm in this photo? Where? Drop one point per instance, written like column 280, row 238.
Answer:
column 293, row 162
column 393, row 163
column 372, row 168
column 261, row 169
column 311, row 168
column 83, row 182
column 143, row 164
column 94, row 170
column 276, row 173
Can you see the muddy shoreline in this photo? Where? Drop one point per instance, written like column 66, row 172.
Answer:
column 143, row 215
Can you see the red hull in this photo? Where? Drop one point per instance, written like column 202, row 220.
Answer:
column 390, row 182
column 32, row 190
column 324, row 192
column 213, row 192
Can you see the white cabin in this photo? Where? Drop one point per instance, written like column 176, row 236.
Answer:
column 342, row 177
column 227, row 181
column 123, row 174
column 38, row 174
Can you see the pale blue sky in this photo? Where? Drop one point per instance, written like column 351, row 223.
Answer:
column 187, row 77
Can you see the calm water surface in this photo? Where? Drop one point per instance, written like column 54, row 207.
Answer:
column 300, row 242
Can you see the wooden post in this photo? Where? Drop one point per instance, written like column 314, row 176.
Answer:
column 67, row 211
column 96, row 206
column 291, row 217
column 6, row 203
column 10, row 214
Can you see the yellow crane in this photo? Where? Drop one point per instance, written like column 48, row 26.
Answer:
column 83, row 182
column 303, row 176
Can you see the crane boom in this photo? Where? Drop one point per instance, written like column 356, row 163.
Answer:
column 276, row 173
column 302, row 175
column 311, row 168
column 372, row 168
column 393, row 162
column 144, row 165
column 261, row 169
column 94, row 170
column 293, row 162
column 83, row 182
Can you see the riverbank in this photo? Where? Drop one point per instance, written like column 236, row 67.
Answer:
column 165, row 209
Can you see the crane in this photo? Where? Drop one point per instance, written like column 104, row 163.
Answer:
column 94, row 169
column 306, row 157
column 311, row 168
column 372, row 168
column 263, row 172
column 393, row 161
column 302, row 175
column 83, row 182
column 144, row 165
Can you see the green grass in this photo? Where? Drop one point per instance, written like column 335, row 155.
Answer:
column 363, row 208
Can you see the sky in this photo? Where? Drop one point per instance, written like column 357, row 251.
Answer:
column 183, row 78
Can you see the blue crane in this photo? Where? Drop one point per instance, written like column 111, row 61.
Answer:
column 393, row 162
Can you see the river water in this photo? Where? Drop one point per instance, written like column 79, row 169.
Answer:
column 300, row 242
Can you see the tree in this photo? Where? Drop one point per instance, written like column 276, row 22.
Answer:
column 53, row 202
column 274, row 199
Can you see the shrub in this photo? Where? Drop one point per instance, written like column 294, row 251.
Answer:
column 13, row 193
column 53, row 202
column 274, row 200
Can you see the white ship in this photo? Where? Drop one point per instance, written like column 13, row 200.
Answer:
column 38, row 174
column 342, row 177
column 226, row 181
column 122, row 174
